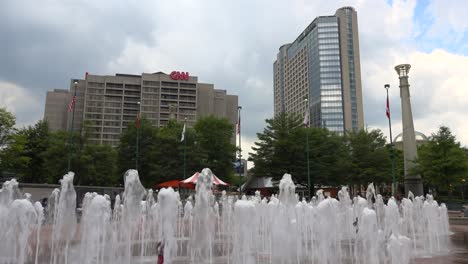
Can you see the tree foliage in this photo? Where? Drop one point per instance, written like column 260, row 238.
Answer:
column 369, row 157
column 282, row 148
column 7, row 123
column 36, row 155
column 161, row 151
column 127, row 148
column 275, row 154
column 213, row 136
column 356, row 158
column 23, row 155
column 442, row 161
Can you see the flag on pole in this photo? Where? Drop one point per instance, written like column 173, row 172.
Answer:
column 86, row 75
column 306, row 119
column 137, row 122
column 72, row 103
column 183, row 134
column 238, row 126
column 387, row 111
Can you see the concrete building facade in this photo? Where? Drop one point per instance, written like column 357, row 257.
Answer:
column 56, row 106
column 109, row 102
column 413, row 181
column 322, row 64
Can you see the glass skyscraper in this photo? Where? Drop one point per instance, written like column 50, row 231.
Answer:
column 322, row 64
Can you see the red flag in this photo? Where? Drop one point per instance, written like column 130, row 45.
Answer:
column 86, row 75
column 238, row 126
column 387, row 112
column 137, row 122
column 72, row 104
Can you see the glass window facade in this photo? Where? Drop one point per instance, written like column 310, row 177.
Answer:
column 329, row 110
column 330, row 47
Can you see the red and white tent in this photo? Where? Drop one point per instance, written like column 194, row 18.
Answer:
column 193, row 179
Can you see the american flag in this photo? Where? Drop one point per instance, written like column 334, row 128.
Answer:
column 72, row 103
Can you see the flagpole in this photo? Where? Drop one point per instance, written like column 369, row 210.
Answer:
column 392, row 154
column 309, row 186
column 185, row 148
column 239, row 108
column 71, row 129
column 137, row 146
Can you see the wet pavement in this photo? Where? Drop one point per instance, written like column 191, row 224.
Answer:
column 458, row 248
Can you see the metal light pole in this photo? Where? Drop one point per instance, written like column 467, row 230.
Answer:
column 239, row 108
column 137, row 125
column 392, row 154
column 463, row 190
column 309, row 185
column 71, row 128
column 185, row 147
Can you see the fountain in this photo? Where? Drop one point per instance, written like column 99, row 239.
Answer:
column 279, row 229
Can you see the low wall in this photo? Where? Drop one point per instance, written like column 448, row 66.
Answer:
column 41, row 191
column 458, row 220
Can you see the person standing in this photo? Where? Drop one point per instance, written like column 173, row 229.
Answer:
column 160, row 249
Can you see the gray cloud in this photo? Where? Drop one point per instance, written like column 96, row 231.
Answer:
column 230, row 44
column 45, row 47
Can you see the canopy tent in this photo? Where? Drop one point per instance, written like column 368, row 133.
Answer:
column 174, row 184
column 193, row 180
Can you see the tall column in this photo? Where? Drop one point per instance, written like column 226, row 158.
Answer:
column 413, row 182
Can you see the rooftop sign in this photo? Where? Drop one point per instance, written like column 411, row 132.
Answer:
column 176, row 75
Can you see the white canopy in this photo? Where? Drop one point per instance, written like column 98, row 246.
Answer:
column 193, row 179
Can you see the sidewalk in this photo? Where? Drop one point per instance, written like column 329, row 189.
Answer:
column 458, row 249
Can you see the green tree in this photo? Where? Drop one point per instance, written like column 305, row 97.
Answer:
column 329, row 157
column 214, row 142
column 56, row 156
column 127, row 150
column 7, row 123
column 442, row 162
column 161, row 151
column 282, row 149
column 98, row 166
column 23, row 155
column 369, row 157
column 13, row 159
column 92, row 164
column 274, row 149
column 399, row 165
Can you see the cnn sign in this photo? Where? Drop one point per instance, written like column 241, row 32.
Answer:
column 175, row 75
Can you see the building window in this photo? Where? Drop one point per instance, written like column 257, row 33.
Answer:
column 132, row 87
column 95, row 84
column 170, row 84
column 114, row 85
column 150, row 83
column 150, row 90
column 132, row 93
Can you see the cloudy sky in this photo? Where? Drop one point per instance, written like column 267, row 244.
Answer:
column 233, row 44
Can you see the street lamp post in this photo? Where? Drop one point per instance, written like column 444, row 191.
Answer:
column 463, row 190
column 185, row 147
column 239, row 108
column 392, row 154
column 71, row 127
column 137, row 146
column 309, row 184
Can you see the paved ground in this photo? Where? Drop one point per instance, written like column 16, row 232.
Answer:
column 459, row 248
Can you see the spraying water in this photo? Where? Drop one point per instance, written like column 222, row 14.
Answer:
column 277, row 229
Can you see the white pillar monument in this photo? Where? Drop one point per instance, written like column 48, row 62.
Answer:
column 413, row 181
